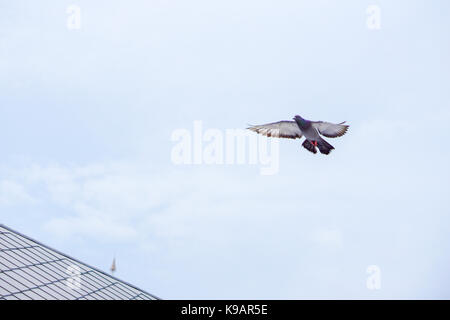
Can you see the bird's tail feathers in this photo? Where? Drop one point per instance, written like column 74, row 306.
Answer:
column 324, row 147
column 309, row 146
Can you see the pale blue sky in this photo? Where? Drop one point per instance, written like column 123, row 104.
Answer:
column 86, row 118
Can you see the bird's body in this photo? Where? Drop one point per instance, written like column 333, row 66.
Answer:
column 311, row 130
column 307, row 128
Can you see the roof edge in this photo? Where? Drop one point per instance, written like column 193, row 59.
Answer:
column 76, row 260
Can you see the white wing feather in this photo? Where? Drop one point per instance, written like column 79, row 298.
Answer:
column 280, row 129
column 330, row 130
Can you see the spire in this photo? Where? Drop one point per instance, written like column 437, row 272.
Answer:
column 113, row 266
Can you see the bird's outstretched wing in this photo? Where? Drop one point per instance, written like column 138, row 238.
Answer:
column 330, row 130
column 280, row 129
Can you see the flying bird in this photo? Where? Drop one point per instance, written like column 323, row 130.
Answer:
column 312, row 130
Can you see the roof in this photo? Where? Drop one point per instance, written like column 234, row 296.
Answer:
column 30, row 270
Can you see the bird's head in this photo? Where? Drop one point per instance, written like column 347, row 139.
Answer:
column 299, row 119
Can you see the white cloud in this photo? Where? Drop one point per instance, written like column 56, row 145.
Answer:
column 13, row 193
column 89, row 222
column 107, row 201
column 125, row 201
column 330, row 237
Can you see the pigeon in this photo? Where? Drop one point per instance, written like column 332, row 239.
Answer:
column 312, row 130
